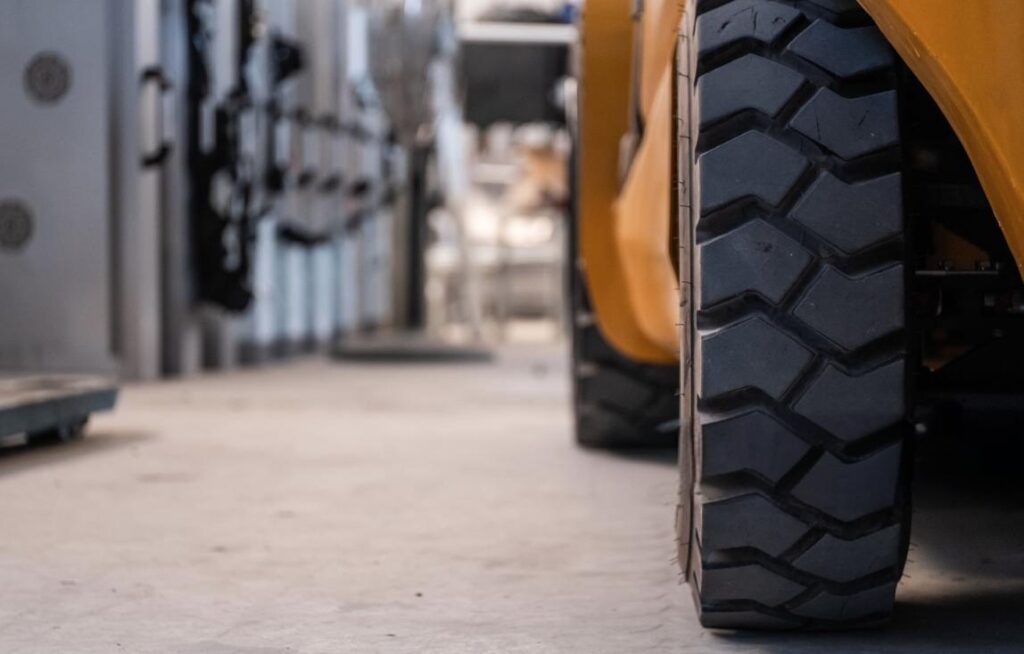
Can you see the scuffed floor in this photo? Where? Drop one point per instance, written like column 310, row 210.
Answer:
column 325, row 508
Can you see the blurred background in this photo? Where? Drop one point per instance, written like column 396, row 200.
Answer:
column 312, row 255
column 235, row 182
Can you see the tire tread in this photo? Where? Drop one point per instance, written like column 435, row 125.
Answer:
column 800, row 501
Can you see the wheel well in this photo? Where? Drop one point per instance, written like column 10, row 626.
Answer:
column 966, row 291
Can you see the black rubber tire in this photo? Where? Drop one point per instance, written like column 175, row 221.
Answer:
column 794, row 507
column 617, row 402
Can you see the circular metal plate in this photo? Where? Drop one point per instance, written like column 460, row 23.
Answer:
column 16, row 225
column 48, row 77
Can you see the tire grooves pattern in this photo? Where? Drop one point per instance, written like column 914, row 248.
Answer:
column 729, row 583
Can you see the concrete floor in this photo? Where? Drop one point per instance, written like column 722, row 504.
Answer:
column 319, row 508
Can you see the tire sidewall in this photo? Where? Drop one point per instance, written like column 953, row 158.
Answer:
column 685, row 173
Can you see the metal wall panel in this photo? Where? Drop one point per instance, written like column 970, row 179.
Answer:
column 134, row 30
column 181, row 328
column 350, row 287
column 55, row 186
column 322, row 295
column 298, row 318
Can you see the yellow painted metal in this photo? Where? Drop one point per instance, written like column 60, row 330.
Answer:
column 624, row 238
column 642, row 228
column 661, row 26
column 969, row 54
column 606, row 41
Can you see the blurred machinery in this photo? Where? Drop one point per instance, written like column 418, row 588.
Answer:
column 203, row 183
column 413, row 62
column 516, row 67
column 206, row 182
column 197, row 184
column 292, row 168
column 413, row 65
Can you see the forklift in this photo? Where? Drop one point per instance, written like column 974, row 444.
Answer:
column 799, row 244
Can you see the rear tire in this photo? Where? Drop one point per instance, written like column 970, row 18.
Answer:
column 795, row 496
column 618, row 402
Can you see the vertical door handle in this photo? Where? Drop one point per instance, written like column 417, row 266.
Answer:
column 155, row 154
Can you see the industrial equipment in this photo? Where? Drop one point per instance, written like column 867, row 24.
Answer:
column 190, row 184
column 411, row 60
column 79, row 208
column 289, row 146
column 287, row 164
column 802, row 218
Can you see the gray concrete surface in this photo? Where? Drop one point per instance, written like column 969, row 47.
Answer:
column 319, row 508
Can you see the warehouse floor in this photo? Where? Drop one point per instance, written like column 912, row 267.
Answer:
column 320, row 508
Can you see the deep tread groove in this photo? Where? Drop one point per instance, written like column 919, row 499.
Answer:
column 802, row 467
column 724, row 559
column 723, row 488
column 850, row 170
column 739, row 307
column 844, row 492
column 802, row 546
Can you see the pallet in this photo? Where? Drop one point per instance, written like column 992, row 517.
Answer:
column 52, row 407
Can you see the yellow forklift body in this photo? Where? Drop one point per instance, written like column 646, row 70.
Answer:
column 968, row 54
column 624, row 229
column 606, row 38
column 970, row 57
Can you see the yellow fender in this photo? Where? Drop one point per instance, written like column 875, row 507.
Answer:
column 624, row 237
column 969, row 54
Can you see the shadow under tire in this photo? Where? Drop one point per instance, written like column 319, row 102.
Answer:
column 794, row 509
